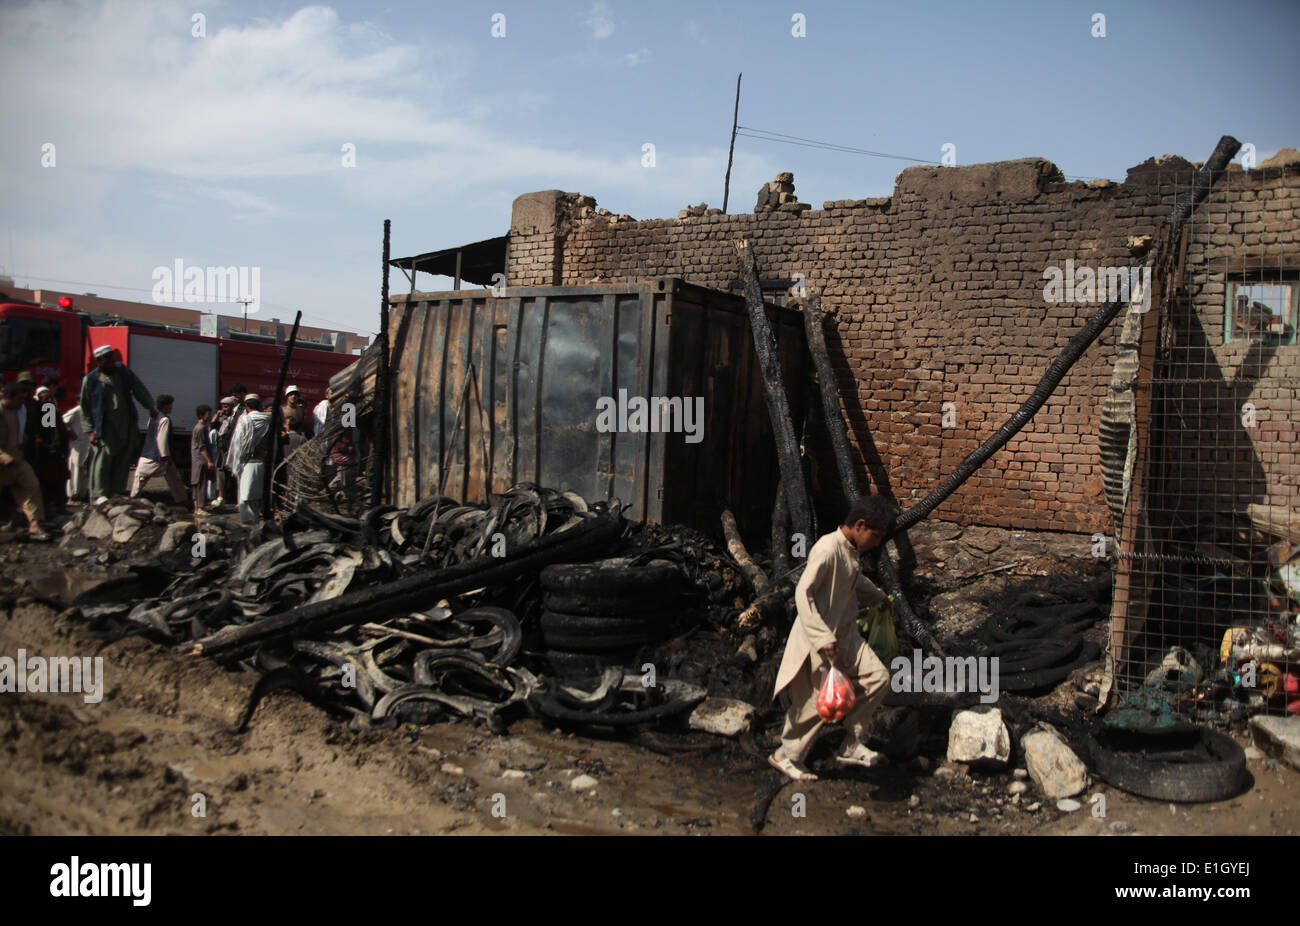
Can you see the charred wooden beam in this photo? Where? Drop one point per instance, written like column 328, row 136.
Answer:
column 276, row 416
column 736, row 547
column 774, row 395
column 415, row 591
column 383, row 389
column 814, row 318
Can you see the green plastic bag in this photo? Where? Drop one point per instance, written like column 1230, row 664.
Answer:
column 881, row 635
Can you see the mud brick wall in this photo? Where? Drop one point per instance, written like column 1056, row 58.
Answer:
column 938, row 291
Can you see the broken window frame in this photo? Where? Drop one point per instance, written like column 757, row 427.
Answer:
column 1275, row 277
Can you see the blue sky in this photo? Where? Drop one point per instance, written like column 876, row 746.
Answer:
column 226, row 149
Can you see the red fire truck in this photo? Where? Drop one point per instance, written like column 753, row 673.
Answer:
column 58, row 341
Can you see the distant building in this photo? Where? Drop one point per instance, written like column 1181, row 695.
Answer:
column 347, row 342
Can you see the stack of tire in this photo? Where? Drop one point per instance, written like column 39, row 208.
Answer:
column 601, row 614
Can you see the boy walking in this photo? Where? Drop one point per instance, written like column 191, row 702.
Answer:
column 826, row 633
column 156, row 454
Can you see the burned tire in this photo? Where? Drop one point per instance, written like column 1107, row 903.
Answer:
column 1048, row 678
column 679, row 697
column 1184, row 763
column 609, row 606
column 600, row 626
column 578, row 665
column 577, row 633
column 612, row 579
column 1018, row 656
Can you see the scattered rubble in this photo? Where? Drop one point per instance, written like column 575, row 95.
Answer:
column 778, row 196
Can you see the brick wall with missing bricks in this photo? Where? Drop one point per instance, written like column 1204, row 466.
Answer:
column 939, row 295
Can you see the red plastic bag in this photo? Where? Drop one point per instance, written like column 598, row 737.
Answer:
column 836, row 697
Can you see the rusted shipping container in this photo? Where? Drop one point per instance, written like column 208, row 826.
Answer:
column 491, row 390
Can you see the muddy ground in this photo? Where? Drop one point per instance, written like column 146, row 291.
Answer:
column 153, row 756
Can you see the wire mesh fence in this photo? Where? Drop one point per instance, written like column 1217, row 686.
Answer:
column 1207, row 591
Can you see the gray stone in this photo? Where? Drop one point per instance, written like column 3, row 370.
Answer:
column 583, row 783
column 1017, row 787
column 124, row 527
column 1068, row 805
column 1278, row 737
column 722, row 716
column 175, row 535
column 1052, row 765
column 978, row 736
column 97, row 527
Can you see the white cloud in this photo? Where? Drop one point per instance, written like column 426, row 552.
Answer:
column 226, row 149
column 601, row 20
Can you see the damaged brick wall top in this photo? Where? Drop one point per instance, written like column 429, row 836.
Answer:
column 939, row 294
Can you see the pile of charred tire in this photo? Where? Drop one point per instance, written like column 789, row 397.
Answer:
column 437, row 611
column 1038, row 639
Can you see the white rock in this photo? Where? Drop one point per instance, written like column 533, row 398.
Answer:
column 1020, row 774
column 583, row 783
column 855, row 812
column 1068, row 805
column 1017, row 787
column 451, row 769
column 514, row 773
column 914, row 801
column 944, row 771
column 978, row 735
column 1052, row 765
column 722, row 716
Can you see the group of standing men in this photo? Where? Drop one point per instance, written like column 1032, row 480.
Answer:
column 88, row 451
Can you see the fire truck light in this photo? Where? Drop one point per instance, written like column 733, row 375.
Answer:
column 65, row 302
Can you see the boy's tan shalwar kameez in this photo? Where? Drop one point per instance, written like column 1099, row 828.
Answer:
column 827, row 599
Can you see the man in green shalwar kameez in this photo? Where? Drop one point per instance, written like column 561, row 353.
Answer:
column 111, row 422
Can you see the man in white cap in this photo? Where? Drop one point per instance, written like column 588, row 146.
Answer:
column 250, row 449
column 295, row 409
column 111, row 423
column 222, row 430
column 50, row 440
